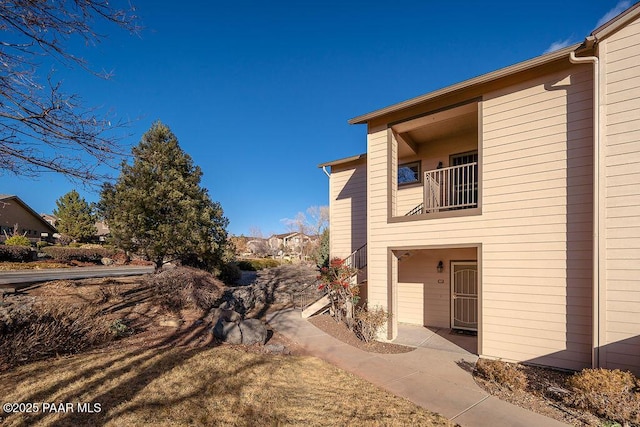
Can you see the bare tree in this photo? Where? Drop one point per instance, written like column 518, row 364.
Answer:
column 42, row 128
column 258, row 244
column 318, row 219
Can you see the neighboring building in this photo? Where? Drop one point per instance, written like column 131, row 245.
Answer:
column 51, row 219
column 14, row 211
column 258, row 246
column 102, row 231
column 504, row 205
column 294, row 243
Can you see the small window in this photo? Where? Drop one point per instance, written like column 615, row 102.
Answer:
column 409, row 173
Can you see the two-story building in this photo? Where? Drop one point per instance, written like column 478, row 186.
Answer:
column 509, row 205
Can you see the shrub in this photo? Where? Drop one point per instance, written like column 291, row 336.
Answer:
column 336, row 281
column 613, row 394
column 230, row 273
column 50, row 328
column 16, row 253
column 245, row 265
column 185, row 287
column 258, row 264
column 502, row 373
column 17, row 241
column 109, row 292
column 369, row 322
column 41, row 244
column 67, row 254
column 119, row 328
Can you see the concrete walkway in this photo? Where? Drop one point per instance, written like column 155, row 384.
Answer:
column 436, row 375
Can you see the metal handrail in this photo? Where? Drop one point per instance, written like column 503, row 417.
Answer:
column 358, row 258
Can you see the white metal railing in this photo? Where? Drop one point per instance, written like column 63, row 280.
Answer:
column 455, row 187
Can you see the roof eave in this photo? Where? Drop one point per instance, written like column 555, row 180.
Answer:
column 616, row 23
column 343, row 160
column 484, row 78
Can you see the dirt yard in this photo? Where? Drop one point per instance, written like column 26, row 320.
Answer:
column 167, row 368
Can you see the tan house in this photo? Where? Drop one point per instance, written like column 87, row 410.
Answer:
column 14, row 211
column 294, row 243
column 509, row 205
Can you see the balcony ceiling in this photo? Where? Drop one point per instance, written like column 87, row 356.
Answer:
column 445, row 124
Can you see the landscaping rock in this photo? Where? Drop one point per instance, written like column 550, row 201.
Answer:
column 273, row 286
column 228, row 332
column 247, row 332
column 171, row 323
column 276, row 349
column 254, row 331
column 218, row 313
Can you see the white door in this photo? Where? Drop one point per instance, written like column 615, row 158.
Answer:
column 464, row 295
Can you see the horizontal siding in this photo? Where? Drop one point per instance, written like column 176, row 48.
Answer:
column 535, row 227
column 348, row 209
column 621, row 348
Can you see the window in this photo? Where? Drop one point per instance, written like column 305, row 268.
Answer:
column 409, row 173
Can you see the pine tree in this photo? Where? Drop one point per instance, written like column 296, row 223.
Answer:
column 75, row 217
column 158, row 209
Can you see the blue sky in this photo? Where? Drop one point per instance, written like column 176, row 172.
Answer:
column 259, row 94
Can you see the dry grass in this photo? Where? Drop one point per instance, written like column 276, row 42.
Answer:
column 40, row 265
column 48, row 328
column 204, row 386
column 185, row 288
column 505, row 374
column 612, row 394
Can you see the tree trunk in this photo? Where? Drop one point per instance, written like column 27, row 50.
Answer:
column 159, row 262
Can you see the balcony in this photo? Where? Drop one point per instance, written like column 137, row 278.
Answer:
column 449, row 189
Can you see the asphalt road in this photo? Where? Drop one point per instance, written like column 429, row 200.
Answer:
column 13, row 279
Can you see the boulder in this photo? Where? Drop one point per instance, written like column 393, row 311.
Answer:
column 218, row 313
column 254, row 331
column 107, row 261
column 228, row 332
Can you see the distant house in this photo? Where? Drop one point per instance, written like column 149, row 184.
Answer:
column 14, row 212
column 508, row 205
column 51, row 219
column 102, row 231
column 293, row 243
column 258, row 246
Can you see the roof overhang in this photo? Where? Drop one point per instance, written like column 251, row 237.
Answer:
column 616, row 23
column 482, row 79
column 343, row 160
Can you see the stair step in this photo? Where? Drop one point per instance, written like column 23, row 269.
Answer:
column 321, row 304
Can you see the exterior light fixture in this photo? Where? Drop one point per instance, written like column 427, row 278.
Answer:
column 440, row 267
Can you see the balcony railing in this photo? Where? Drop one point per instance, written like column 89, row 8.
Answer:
column 451, row 188
column 455, row 187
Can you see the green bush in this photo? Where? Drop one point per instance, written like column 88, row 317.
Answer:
column 230, row 273
column 258, row 264
column 17, row 241
column 67, row 254
column 42, row 244
column 119, row 329
column 246, row 266
column 16, row 253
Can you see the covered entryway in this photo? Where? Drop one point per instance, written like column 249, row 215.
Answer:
column 438, row 289
column 464, row 295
